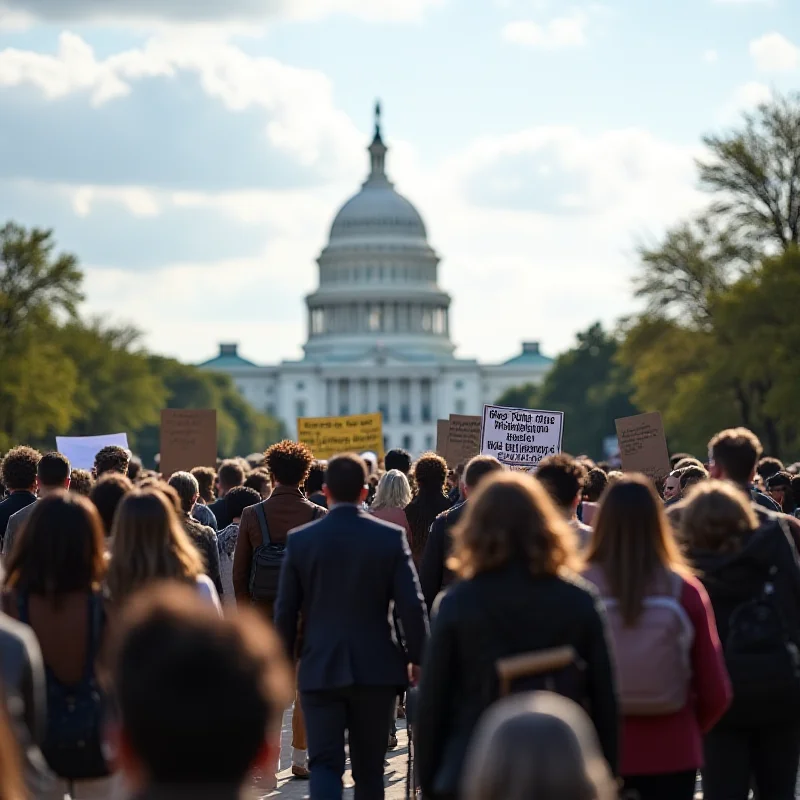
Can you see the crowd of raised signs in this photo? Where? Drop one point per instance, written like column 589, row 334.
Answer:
column 569, row 633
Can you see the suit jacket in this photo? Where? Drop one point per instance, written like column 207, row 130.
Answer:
column 433, row 572
column 16, row 501
column 286, row 508
column 15, row 523
column 343, row 572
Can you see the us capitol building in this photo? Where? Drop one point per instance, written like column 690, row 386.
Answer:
column 379, row 330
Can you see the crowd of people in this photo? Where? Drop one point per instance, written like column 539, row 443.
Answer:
column 572, row 634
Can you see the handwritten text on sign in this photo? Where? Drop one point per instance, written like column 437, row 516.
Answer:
column 328, row 436
column 520, row 437
column 643, row 445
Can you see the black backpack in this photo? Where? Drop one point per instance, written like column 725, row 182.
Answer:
column 265, row 571
column 73, row 745
column 763, row 658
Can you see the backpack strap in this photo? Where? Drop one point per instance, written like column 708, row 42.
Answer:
column 262, row 523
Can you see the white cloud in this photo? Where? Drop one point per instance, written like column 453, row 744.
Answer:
column 711, row 56
column 775, row 53
column 744, row 2
column 746, row 97
column 556, row 34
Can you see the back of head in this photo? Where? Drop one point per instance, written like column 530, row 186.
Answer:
column 205, row 477
column 60, row 550
column 715, row 517
column 346, row 478
column 316, row 478
column 511, row 518
column 230, row 474
column 53, row 471
column 135, row 468
column 767, row 467
column 289, row 462
column 596, row 482
column 398, row 459
column 112, row 459
column 81, row 482
column 173, row 649
column 185, row 484
column 563, row 476
column 18, row 470
column 676, row 458
column 632, row 541
column 149, row 544
column 540, row 746
column 393, row 491
column 107, row 494
column 240, row 498
column 260, row 481
column 689, row 461
column 430, row 473
column 733, row 454
column 478, row 468
column 692, row 475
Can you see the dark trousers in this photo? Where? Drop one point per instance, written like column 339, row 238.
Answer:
column 765, row 758
column 669, row 786
column 366, row 713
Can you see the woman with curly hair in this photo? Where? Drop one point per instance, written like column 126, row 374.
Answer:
column 519, row 619
column 430, row 474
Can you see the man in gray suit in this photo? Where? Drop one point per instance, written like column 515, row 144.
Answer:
column 52, row 475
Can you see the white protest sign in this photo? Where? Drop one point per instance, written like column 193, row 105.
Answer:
column 81, row 450
column 520, row 437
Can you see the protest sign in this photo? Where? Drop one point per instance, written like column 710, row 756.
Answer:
column 521, row 437
column 188, row 439
column 442, row 430
column 463, row 439
column 81, row 450
column 643, row 445
column 327, row 436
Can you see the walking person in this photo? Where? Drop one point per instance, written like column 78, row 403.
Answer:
column 430, row 475
column 391, row 498
column 673, row 686
column 752, row 577
column 343, row 572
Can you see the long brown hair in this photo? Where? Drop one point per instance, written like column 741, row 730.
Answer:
column 632, row 542
column 149, row 543
column 716, row 518
column 12, row 784
column 59, row 550
column 511, row 516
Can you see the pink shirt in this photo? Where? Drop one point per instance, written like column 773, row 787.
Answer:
column 394, row 515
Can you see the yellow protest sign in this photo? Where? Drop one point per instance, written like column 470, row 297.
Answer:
column 327, row 436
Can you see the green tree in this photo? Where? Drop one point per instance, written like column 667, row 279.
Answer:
column 525, row 396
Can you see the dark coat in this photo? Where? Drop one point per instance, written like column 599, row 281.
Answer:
column 494, row 615
column 434, row 574
column 16, row 501
column 343, row 572
column 420, row 513
column 205, row 540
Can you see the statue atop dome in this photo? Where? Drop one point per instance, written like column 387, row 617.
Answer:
column 377, row 151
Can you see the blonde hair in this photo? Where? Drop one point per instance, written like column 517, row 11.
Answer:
column 715, row 517
column 511, row 517
column 394, row 491
column 149, row 544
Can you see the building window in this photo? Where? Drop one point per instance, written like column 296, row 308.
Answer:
column 386, row 442
column 300, row 386
column 408, row 442
column 271, row 409
column 459, row 385
column 364, row 392
column 329, row 398
column 405, row 400
column 460, row 406
column 300, row 408
column 426, row 412
column 429, row 442
column 344, row 397
column 383, row 399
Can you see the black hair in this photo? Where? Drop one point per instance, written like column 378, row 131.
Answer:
column 346, row 477
column 563, row 476
column 53, row 470
column 240, row 498
column 398, row 459
column 18, row 470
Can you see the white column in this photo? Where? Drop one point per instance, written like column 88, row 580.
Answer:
column 416, row 401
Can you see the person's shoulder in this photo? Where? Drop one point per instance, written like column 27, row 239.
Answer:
column 450, row 514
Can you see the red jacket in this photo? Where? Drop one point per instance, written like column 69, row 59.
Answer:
column 674, row 742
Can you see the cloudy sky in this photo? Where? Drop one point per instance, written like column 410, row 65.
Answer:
column 193, row 152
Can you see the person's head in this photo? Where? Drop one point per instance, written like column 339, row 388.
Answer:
column 689, row 461
column 632, row 542
column 393, row 491
column 476, row 470
column 239, row 499
column 539, row 745
column 259, row 480
column 112, row 459
column 511, row 517
column 676, row 459
column 430, row 473
column 185, row 484
column 733, row 455
column 172, row 649
column 371, row 461
column 595, row 485
column 768, row 466
column 170, row 493
column 52, row 473
column 690, row 476
column 150, row 544
column 18, row 470
column 107, row 494
column 779, row 487
column 716, row 517
column 81, row 482
column 60, row 550
column 796, row 489
column 346, row 479
column 135, row 468
column 564, row 477
column 206, row 478
column 316, row 478
column 614, row 475
column 398, row 459
column 229, row 476
column 672, row 485
column 289, row 462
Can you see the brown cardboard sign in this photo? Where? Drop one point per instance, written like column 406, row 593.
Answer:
column 463, row 439
column 442, row 432
column 643, row 445
column 188, row 439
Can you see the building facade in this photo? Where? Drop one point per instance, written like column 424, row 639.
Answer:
column 379, row 330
